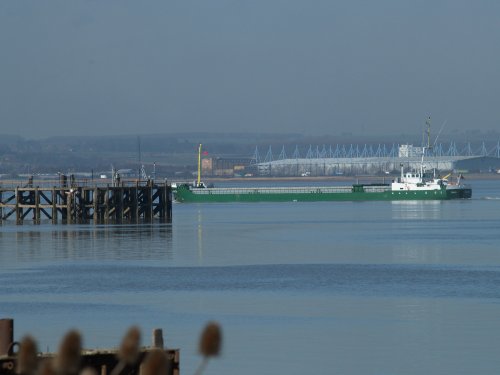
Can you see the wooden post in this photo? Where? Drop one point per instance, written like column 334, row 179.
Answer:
column 95, row 203
column 125, row 202
column 165, row 201
column 157, row 341
column 169, row 202
column 135, row 204
column 149, row 192
column 63, row 204
column 6, row 336
column 159, row 208
column 19, row 210
column 36, row 216
column 84, row 194
column 119, row 204
column 106, row 206
column 54, row 205
column 79, row 205
column 69, row 205
column 86, row 200
column 128, row 214
column 140, row 203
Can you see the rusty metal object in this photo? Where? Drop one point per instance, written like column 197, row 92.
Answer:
column 6, row 336
column 157, row 340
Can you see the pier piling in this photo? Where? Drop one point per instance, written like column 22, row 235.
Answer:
column 6, row 336
column 73, row 203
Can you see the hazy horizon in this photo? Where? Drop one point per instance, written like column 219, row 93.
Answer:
column 277, row 66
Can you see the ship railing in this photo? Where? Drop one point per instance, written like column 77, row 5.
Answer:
column 376, row 189
column 274, row 190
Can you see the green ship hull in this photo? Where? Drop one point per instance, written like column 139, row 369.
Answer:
column 187, row 194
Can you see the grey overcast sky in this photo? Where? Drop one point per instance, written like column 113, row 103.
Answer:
column 308, row 66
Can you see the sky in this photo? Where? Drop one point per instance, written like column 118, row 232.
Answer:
column 104, row 67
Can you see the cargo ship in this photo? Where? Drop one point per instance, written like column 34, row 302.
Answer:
column 415, row 185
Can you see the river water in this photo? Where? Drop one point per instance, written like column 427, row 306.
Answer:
column 299, row 288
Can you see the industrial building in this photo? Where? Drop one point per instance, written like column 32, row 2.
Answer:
column 225, row 167
column 355, row 160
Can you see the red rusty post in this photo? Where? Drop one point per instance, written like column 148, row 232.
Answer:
column 6, row 336
column 157, row 338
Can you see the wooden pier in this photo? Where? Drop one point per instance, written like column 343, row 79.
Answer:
column 80, row 203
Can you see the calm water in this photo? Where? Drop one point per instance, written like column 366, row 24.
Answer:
column 299, row 288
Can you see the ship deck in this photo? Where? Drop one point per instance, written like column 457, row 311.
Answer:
column 288, row 190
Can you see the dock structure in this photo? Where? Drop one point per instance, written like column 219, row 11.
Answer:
column 81, row 203
column 14, row 359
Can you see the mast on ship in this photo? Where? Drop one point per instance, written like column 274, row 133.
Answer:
column 428, row 147
column 198, row 181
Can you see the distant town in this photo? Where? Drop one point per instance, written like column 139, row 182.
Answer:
column 174, row 156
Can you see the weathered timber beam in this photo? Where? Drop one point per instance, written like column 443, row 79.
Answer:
column 47, row 200
column 9, row 199
column 25, row 213
column 8, row 214
column 45, row 213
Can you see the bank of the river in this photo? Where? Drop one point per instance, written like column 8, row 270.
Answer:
column 468, row 176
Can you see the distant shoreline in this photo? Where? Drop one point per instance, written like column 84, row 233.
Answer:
column 468, row 176
column 363, row 178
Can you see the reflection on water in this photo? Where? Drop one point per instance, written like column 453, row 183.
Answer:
column 415, row 253
column 200, row 237
column 87, row 242
column 417, row 210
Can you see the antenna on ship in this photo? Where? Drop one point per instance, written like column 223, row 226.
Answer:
column 439, row 133
column 428, row 146
column 428, row 131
